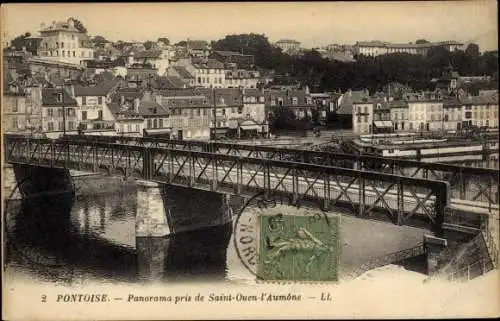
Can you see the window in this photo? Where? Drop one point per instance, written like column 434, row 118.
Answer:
column 70, row 111
column 359, row 119
column 99, row 114
column 84, row 100
column 63, row 53
column 160, row 123
column 99, row 100
column 74, row 53
column 445, row 117
column 129, row 127
column 50, row 126
column 57, row 44
column 71, row 125
column 60, row 112
column 15, row 123
column 84, row 115
column 59, row 97
column 468, row 114
column 14, row 107
column 155, row 123
column 149, row 123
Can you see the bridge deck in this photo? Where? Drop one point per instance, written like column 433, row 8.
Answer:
column 366, row 194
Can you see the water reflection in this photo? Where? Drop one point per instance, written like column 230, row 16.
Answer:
column 66, row 239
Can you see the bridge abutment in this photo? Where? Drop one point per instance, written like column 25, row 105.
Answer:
column 33, row 181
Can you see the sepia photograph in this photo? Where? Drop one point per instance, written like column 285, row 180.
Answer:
column 250, row 160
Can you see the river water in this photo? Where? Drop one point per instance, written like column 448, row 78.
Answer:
column 89, row 237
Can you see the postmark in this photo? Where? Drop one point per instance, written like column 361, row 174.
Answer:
column 277, row 240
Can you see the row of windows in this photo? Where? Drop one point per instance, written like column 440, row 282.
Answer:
column 51, row 126
column 122, row 128
column 51, row 111
column 155, row 123
column 91, row 101
column 66, row 54
column 211, row 71
column 203, row 80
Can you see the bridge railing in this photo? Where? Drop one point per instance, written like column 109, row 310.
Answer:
column 363, row 193
column 466, row 183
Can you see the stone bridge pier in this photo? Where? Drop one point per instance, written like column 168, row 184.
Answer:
column 164, row 210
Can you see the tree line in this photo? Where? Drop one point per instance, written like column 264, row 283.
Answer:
column 373, row 73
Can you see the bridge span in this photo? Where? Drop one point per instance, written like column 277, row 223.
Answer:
column 468, row 185
column 402, row 200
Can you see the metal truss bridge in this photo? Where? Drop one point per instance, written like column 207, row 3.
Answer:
column 469, row 186
column 366, row 194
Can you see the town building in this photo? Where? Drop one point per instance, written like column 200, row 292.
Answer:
column 59, row 112
column 241, row 78
column 345, row 108
column 158, row 59
column 15, row 113
column 289, row 46
column 298, row 101
column 362, row 115
column 399, row 115
column 198, row 48
column 425, row 115
column 62, row 42
column 376, row 48
column 127, row 120
column 207, row 73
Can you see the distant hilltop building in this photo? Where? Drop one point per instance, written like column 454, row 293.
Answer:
column 376, row 48
column 288, row 46
column 62, row 42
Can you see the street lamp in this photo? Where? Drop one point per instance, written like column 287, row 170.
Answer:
column 215, row 116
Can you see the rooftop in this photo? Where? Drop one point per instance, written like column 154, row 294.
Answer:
column 50, row 95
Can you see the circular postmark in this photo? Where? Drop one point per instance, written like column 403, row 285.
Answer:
column 276, row 238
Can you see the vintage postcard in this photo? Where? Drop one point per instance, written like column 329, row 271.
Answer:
column 261, row 160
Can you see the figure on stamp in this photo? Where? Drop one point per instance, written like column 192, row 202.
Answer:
column 302, row 241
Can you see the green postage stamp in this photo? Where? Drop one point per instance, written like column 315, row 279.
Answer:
column 298, row 247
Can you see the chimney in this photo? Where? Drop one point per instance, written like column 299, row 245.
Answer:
column 136, row 105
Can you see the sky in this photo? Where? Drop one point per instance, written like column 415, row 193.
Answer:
column 314, row 24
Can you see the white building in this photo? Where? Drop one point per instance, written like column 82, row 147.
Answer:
column 425, row 115
column 362, row 116
column 241, row 78
column 375, row 48
column 62, row 42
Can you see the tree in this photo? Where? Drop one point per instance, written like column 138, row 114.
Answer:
column 421, row 41
column 100, row 40
column 149, row 45
column 472, row 50
column 182, row 43
column 79, row 25
column 20, row 41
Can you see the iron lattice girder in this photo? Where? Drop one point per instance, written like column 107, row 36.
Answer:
column 437, row 170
